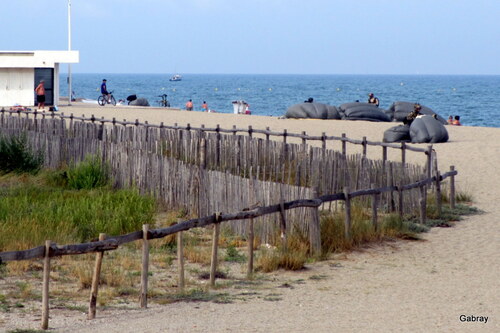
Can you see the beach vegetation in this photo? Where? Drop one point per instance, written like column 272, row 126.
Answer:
column 17, row 156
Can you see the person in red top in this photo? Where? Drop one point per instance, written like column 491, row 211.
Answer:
column 40, row 94
column 189, row 105
column 204, row 107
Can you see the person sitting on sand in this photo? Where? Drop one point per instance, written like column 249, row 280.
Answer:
column 414, row 114
column 450, row 120
column 189, row 105
column 373, row 100
column 456, row 122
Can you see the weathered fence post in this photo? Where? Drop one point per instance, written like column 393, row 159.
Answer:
column 344, row 144
column 403, row 153
column 283, row 220
column 203, row 153
column 374, row 208
column 95, row 281
column 347, row 227
column 438, row 193
column 452, row 188
column 429, row 161
column 145, row 266
column 401, row 202
column 423, row 205
column 215, row 246
column 217, row 148
column 45, row 288
column 251, row 197
column 364, row 143
column 304, row 140
column 180, row 259
column 315, row 228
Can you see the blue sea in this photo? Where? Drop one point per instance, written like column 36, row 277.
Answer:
column 471, row 97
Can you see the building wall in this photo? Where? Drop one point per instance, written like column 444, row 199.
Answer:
column 16, row 86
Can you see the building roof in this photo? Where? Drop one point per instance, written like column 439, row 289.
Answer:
column 32, row 59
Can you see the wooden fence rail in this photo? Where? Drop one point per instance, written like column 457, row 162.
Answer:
column 53, row 250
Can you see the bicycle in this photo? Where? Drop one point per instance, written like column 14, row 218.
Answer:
column 163, row 102
column 103, row 100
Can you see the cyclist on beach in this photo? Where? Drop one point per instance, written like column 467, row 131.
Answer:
column 104, row 90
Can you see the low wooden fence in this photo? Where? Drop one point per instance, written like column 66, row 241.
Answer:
column 50, row 249
column 202, row 170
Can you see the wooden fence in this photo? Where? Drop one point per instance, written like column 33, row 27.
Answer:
column 50, row 249
column 202, row 170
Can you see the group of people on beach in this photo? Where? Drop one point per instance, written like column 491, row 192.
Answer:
column 454, row 120
column 204, row 106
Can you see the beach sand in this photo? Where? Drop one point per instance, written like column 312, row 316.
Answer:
column 399, row 286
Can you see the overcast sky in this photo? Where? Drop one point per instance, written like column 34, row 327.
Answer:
column 262, row 36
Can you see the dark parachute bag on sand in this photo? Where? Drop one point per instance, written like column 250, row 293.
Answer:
column 427, row 129
column 312, row 111
column 398, row 111
column 140, row 102
column 362, row 111
column 400, row 133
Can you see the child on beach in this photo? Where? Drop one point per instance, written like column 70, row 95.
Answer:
column 204, row 107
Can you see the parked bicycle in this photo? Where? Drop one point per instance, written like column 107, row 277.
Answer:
column 103, row 99
column 163, row 102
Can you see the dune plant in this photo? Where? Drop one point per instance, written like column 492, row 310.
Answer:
column 17, row 156
column 88, row 174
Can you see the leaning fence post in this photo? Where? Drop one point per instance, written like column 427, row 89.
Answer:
column 180, row 259
column 45, row 288
column 374, row 208
column 429, row 161
column 95, row 281
column 452, row 188
column 347, row 227
column 215, row 245
column 145, row 266
column 314, row 228
column 423, row 205
column 438, row 193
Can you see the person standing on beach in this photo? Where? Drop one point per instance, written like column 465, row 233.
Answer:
column 40, row 94
column 104, row 90
column 189, row 105
column 373, row 100
column 204, row 107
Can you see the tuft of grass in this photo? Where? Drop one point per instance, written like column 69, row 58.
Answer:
column 233, row 255
column 16, row 155
column 89, row 174
column 195, row 295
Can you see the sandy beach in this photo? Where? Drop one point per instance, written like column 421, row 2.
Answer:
column 400, row 286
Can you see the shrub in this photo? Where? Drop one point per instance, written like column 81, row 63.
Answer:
column 17, row 156
column 89, row 174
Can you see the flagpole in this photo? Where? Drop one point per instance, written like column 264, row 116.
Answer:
column 69, row 49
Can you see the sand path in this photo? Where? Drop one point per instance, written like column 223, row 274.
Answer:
column 396, row 287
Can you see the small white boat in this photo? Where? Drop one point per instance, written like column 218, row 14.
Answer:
column 176, row 77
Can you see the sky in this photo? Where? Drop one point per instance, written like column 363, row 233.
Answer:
column 262, row 36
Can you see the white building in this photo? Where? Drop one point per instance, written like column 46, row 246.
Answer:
column 21, row 71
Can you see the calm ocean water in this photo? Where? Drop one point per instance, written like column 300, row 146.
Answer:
column 471, row 97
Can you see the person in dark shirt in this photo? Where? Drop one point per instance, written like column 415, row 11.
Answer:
column 414, row 114
column 104, row 90
column 373, row 100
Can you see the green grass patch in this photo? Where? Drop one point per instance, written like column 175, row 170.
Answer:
column 195, row 295
column 32, row 212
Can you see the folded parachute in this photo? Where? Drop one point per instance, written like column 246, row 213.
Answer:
column 362, row 111
column 427, row 129
column 399, row 110
column 312, row 111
